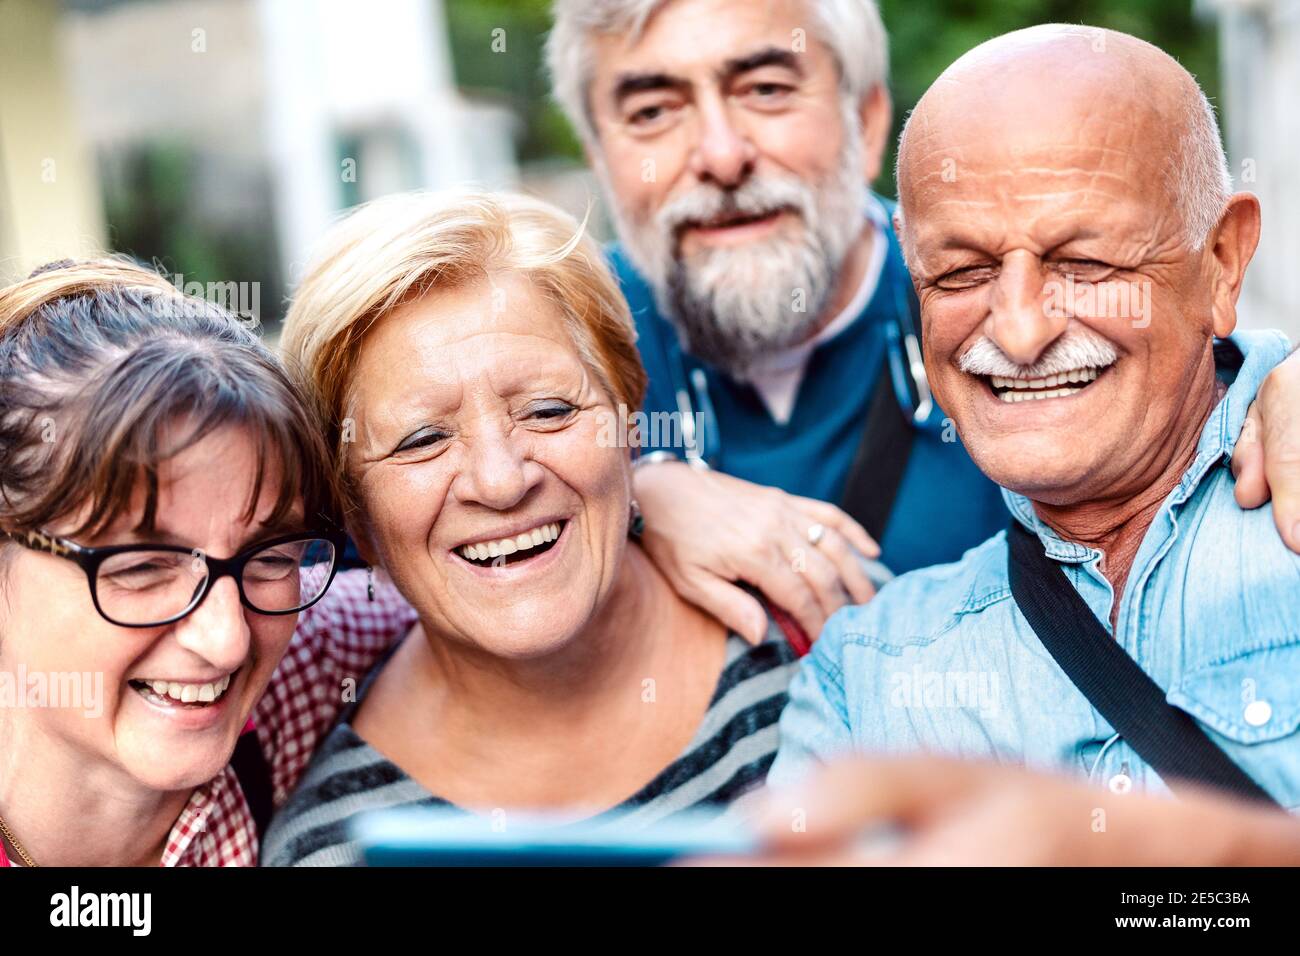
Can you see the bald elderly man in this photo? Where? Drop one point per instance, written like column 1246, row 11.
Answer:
column 1068, row 220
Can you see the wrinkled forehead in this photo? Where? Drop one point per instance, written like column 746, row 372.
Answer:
column 1036, row 147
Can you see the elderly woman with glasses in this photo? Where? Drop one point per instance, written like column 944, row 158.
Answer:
column 478, row 371
column 167, row 520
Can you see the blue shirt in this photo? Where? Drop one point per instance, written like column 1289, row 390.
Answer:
column 944, row 504
column 942, row 660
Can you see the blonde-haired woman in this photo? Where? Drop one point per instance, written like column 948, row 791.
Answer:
column 475, row 362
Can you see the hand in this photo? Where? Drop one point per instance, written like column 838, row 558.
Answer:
column 1267, row 457
column 706, row 530
column 968, row 813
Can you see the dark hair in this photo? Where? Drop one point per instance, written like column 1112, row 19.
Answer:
column 107, row 371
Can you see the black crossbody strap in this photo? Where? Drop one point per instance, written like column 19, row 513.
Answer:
column 1167, row 738
column 254, row 779
column 880, row 461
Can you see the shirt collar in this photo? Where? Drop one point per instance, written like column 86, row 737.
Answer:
column 1261, row 351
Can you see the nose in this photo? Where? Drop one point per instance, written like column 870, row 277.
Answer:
column 217, row 631
column 723, row 154
column 497, row 472
column 1019, row 322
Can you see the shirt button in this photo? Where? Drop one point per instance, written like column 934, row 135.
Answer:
column 1120, row 783
column 1258, row 713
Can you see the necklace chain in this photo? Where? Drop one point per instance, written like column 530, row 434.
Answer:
column 13, row 842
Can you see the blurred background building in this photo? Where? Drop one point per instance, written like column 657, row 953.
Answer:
column 218, row 138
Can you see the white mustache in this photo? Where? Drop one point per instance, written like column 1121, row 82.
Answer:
column 757, row 197
column 1076, row 349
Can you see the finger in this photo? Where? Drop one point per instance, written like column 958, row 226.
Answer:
column 821, row 573
column 841, row 799
column 984, row 837
column 1248, row 463
column 1281, row 440
column 787, row 589
column 823, row 512
column 844, row 557
column 835, row 857
column 738, row 610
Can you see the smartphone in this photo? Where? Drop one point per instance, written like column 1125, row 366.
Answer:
column 438, row 836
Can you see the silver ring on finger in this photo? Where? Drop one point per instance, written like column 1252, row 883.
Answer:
column 815, row 533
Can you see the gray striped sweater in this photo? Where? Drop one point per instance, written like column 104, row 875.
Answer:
column 728, row 757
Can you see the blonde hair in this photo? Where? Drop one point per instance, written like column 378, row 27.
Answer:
column 404, row 246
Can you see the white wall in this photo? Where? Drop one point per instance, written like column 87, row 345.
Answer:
column 1260, row 53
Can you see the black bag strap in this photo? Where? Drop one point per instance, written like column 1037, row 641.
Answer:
column 1167, row 738
column 880, row 461
column 254, row 776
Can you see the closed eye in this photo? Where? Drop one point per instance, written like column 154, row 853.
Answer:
column 424, row 438
column 966, row 278
column 1083, row 268
column 550, row 411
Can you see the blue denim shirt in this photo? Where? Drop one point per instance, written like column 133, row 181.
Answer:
column 942, row 660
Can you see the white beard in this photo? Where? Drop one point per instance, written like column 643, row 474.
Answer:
column 734, row 305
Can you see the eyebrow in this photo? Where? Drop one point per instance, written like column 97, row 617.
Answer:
column 631, row 83
column 289, row 524
column 769, row 56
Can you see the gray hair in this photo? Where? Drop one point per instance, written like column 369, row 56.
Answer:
column 1202, row 182
column 851, row 28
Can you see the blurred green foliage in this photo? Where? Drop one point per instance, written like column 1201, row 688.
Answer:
column 152, row 218
column 926, row 36
column 517, row 75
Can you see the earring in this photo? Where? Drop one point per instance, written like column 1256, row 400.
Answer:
column 636, row 521
column 370, row 583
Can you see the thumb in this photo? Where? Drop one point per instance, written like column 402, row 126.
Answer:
column 739, row 611
column 1248, row 463
column 837, row 800
column 1282, row 472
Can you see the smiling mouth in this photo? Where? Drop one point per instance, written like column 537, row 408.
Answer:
column 734, row 221
column 165, row 693
column 515, row 549
column 1063, row 385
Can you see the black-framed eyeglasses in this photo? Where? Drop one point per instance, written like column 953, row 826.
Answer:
column 149, row 585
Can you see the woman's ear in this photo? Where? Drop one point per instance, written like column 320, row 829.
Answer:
column 360, row 534
column 1231, row 245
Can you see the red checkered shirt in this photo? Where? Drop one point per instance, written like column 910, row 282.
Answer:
column 337, row 641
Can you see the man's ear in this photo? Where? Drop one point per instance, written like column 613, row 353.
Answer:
column 1232, row 244
column 877, row 116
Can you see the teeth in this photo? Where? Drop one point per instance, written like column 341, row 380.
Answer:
column 482, row 551
column 189, row 693
column 1034, row 396
column 1034, row 388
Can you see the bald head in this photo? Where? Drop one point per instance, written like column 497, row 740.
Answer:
column 1078, row 94
column 1069, row 227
